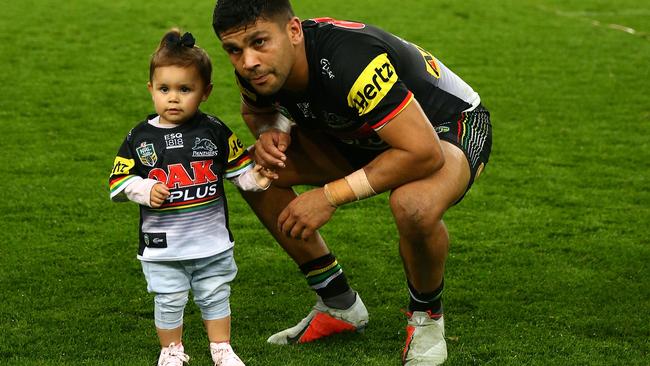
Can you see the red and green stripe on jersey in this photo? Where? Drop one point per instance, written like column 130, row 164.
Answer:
column 238, row 166
column 117, row 183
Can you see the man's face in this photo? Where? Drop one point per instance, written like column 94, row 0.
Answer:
column 262, row 53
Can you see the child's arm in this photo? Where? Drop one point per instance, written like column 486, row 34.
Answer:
column 147, row 192
column 134, row 188
column 256, row 179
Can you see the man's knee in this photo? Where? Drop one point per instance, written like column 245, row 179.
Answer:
column 414, row 214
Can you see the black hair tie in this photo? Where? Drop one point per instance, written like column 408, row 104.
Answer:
column 186, row 40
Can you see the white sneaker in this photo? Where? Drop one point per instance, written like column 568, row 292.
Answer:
column 324, row 321
column 173, row 356
column 223, row 355
column 425, row 340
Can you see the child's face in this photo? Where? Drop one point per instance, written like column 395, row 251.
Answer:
column 177, row 93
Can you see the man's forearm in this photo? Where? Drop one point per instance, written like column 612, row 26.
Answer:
column 256, row 120
column 259, row 120
column 395, row 167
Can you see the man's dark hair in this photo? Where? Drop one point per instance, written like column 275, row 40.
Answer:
column 235, row 14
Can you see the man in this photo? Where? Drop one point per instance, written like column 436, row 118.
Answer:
column 355, row 111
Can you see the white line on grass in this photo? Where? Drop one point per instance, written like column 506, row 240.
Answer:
column 586, row 15
column 625, row 12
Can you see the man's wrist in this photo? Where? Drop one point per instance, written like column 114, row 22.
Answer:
column 282, row 124
column 360, row 185
column 353, row 187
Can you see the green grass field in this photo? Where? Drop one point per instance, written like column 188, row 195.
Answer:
column 549, row 262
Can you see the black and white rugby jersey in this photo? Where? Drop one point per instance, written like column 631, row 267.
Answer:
column 360, row 77
column 192, row 159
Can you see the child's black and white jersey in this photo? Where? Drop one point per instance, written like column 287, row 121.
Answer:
column 192, row 159
column 360, row 77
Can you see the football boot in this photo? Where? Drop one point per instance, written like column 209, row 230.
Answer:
column 324, row 321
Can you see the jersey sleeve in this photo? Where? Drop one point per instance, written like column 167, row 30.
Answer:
column 123, row 172
column 239, row 159
column 368, row 79
column 377, row 94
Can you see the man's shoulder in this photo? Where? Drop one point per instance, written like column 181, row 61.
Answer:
column 343, row 49
column 331, row 36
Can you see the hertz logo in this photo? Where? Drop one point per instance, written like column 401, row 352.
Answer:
column 236, row 147
column 122, row 166
column 372, row 85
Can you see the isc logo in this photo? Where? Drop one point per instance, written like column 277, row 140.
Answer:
column 372, row 85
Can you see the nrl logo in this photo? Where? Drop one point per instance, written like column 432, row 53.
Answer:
column 147, row 154
column 204, row 148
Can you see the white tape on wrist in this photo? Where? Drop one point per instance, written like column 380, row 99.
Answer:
column 282, row 123
column 360, row 185
column 354, row 187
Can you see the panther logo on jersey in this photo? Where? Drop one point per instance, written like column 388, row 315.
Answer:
column 204, row 148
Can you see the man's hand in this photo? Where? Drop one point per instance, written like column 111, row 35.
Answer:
column 159, row 193
column 305, row 214
column 270, row 148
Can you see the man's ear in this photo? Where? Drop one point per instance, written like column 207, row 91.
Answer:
column 294, row 29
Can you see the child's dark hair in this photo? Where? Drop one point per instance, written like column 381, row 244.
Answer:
column 177, row 50
column 235, row 14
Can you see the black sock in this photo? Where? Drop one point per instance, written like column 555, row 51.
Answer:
column 429, row 301
column 326, row 277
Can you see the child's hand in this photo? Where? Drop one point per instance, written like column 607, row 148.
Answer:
column 264, row 176
column 265, row 172
column 159, row 193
